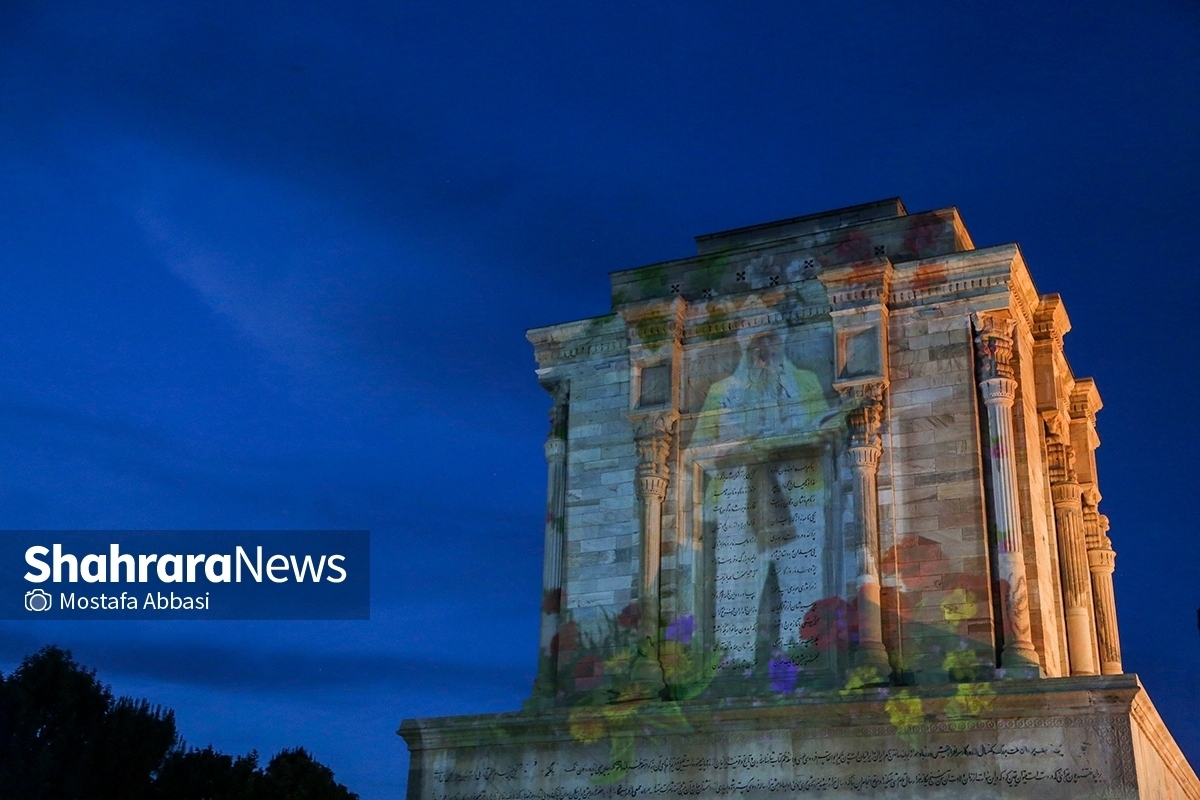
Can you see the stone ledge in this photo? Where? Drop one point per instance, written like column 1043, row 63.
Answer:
column 1044, row 739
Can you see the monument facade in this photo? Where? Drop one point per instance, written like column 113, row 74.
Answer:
column 823, row 518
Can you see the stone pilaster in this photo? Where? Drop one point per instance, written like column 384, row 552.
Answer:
column 653, row 435
column 994, row 339
column 1102, row 560
column 552, row 570
column 1085, row 402
column 862, row 458
column 1072, row 548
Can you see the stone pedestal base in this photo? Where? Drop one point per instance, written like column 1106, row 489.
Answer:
column 1086, row 737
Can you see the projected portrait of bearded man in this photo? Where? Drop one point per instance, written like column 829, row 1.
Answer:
column 766, row 517
column 770, row 393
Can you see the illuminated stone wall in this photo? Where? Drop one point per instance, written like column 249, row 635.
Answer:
column 919, row 378
column 822, row 518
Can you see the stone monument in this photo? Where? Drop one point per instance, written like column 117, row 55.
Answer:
column 822, row 520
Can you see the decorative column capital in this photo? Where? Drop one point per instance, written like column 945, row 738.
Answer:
column 556, row 448
column 994, row 340
column 560, row 392
column 999, row 391
column 1102, row 560
column 864, row 420
column 1057, row 426
column 1060, row 456
column 864, row 458
column 652, row 437
column 660, row 424
column 1065, row 494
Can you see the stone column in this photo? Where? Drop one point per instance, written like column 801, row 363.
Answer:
column 994, row 339
column 862, row 456
column 1072, row 549
column 545, row 685
column 1102, row 560
column 652, row 436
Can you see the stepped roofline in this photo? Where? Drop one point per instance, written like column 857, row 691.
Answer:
column 798, row 226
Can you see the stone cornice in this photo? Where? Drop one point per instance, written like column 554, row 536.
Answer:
column 859, row 284
column 655, row 322
column 1085, row 400
column 1015, row 704
column 773, row 262
column 995, row 272
column 1050, row 321
column 581, row 340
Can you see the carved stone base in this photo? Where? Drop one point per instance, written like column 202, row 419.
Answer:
column 1087, row 737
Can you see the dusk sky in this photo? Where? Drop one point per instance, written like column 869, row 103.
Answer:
column 270, row 265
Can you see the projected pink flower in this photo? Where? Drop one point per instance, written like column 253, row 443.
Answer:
column 830, row 624
column 589, row 674
column 628, row 618
column 567, row 638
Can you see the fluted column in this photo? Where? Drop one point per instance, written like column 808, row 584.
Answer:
column 1102, row 560
column 1072, row 549
column 994, row 337
column 552, row 569
column 862, row 457
column 652, row 436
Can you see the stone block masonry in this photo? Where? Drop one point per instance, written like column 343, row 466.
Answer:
column 822, row 518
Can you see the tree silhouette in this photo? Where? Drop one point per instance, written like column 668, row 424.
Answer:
column 63, row 736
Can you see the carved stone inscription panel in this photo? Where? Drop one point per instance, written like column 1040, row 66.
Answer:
column 1039, row 759
column 767, row 525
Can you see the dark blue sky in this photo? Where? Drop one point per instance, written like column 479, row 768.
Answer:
column 270, row 265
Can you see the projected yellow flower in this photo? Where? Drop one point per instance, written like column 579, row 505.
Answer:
column 586, row 724
column 959, row 605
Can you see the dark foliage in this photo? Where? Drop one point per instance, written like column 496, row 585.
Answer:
column 63, row 736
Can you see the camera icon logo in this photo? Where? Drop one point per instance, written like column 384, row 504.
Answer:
column 37, row 600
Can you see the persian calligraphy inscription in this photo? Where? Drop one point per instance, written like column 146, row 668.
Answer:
column 767, row 523
column 1059, row 761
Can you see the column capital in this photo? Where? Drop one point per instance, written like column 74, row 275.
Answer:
column 994, row 340
column 999, row 391
column 652, row 438
column 560, row 393
column 1060, row 455
column 865, row 416
column 1103, row 560
column 863, row 457
column 1057, row 426
column 656, row 424
column 1065, row 494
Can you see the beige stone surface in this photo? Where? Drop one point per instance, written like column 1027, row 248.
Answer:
column 1095, row 737
column 820, row 500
